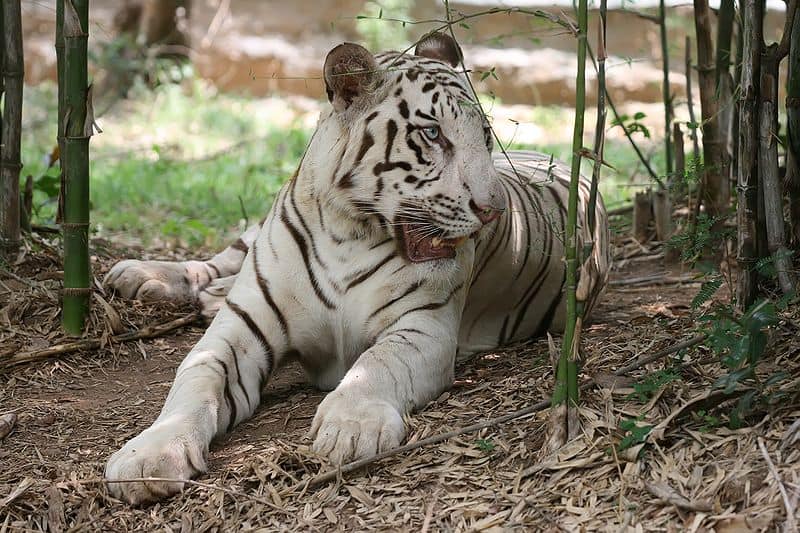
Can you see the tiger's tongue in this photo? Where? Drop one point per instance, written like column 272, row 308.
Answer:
column 420, row 248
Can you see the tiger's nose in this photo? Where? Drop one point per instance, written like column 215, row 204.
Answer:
column 485, row 213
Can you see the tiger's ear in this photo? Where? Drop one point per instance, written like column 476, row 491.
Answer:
column 350, row 72
column 437, row 45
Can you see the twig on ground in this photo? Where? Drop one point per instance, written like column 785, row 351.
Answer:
column 9, row 274
column 656, row 279
column 435, row 439
column 147, row 332
column 791, row 522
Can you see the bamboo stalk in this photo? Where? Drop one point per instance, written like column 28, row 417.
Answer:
column 715, row 185
column 76, row 168
column 768, row 167
column 689, row 98
column 747, row 179
column 600, row 127
column 667, row 97
column 566, row 387
column 59, row 46
column 723, row 80
column 10, row 164
column 2, row 80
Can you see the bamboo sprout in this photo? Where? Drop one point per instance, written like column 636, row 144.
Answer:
column 12, row 129
column 747, row 179
column 662, row 24
column 76, row 167
column 565, row 395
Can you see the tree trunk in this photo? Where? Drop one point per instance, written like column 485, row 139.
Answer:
column 793, row 127
column 768, row 166
column 714, row 168
column 78, row 128
column 747, row 180
column 10, row 164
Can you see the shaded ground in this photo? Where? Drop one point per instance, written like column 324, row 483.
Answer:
column 74, row 411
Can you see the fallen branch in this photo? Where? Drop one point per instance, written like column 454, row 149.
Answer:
column 435, row 439
column 147, row 332
column 653, row 280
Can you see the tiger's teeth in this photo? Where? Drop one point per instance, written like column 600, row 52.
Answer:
column 436, row 242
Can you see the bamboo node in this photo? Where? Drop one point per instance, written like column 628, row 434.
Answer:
column 793, row 101
column 71, row 225
column 13, row 165
column 75, row 291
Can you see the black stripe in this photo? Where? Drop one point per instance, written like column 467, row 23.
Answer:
column 257, row 333
column 240, row 245
column 366, row 275
column 413, row 287
column 262, row 284
column 235, row 357
column 301, row 244
column 427, row 307
column 213, row 267
column 229, row 397
column 547, row 319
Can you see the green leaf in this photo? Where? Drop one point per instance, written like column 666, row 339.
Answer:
column 638, row 115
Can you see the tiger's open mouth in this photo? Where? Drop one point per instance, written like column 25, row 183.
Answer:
column 419, row 243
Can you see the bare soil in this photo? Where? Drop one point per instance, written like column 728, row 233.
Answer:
column 75, row 410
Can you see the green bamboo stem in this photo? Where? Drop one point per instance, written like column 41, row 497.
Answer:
column 76, row 167
column 600, row 126
column 59, row 46
column 10, row 164
column 665, row 89
column 566, row 389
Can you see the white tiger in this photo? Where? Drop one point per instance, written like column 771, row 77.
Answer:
column 399, row 243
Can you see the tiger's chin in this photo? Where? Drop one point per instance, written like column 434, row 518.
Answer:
column 420, row 244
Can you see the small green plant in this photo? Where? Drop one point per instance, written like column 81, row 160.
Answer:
column 709, row 421
column 740, row 342
column 634, row 433
column 651, row 384
column 485, row 445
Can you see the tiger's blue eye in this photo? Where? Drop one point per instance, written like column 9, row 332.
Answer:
column 431, row 132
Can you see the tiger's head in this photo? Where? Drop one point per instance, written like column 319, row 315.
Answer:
column 414, row 148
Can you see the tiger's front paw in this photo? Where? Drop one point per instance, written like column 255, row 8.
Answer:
column 350, row 427
column 157, row 280
column 157, row 453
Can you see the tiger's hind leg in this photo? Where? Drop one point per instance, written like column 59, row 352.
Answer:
column 212, row 297
column 181, row 281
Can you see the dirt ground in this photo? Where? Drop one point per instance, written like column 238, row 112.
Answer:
column 74, row 410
